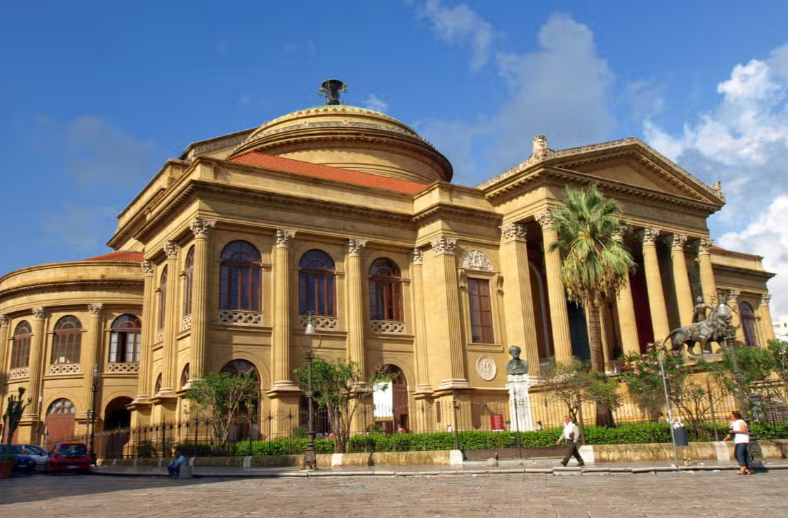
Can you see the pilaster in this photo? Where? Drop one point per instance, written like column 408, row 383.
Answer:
column 733, row 303
column 144, row 385
column 170, row 354
column 656, row 296
column 199, row 289
column 355, row 303
column 90, row 353
column 559, row 316
column 707, row 281
column 4, row 348
column 625, row 307
column 281, row 332
column 681, row 278
column 520, row 319
column 423, row 385
column 763, row 311
column 37, row 345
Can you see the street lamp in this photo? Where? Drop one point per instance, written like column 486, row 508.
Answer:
column 92, row 420
column 310, row 456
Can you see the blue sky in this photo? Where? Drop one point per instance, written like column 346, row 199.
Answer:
column 95, row 96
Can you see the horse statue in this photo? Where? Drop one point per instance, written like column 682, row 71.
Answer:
column 712, row 329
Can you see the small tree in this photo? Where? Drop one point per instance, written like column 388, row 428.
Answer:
column 340, row 387
column 13, row 415
column 575, row 383
column 779, row 351
column 224, row 398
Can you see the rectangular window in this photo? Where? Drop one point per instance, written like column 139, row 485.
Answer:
column 481, row 311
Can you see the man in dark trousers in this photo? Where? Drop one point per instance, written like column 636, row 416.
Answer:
column 571, row 434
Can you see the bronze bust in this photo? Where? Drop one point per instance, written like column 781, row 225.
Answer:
column 516, row 366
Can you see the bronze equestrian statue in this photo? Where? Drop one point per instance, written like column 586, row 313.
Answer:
column 712, row 329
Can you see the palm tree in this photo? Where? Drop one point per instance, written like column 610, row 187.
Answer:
column 595, row 265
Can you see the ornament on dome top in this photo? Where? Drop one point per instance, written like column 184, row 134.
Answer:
column 330, row 89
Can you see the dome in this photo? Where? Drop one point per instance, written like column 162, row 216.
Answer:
column 350, row 137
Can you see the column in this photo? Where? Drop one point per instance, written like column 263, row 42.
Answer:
column 199, row 289
column 763, row 310
column 148, row 326
column 625, row 308
column 355, row 303
column 520, row 319
column 170, row 350
column 681, row 279
column 90, row 353
column 559, row 316
column 281, row 331
column 423, row 385
column 733, row 303
column 448, row 321
column 707, row 282
column 4, row 349
column 37, row 345
column 656, row 296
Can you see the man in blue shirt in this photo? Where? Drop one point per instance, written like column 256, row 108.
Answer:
column 174, row 467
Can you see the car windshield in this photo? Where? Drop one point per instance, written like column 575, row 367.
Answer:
column 73, row 450
column 32, row 449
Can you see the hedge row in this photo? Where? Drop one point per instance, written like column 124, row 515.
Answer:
column 639, row 433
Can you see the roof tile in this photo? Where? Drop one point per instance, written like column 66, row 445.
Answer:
column 118, row 256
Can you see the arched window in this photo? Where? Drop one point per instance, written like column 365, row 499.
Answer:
column 747, row 316
column 185, row 377
column 67, row 340
column 188, row 278
column 20, row 354
column 385, row 291
column 240, row 277
column 316, row 285
column 61, row 406
column 162, row 297
column 236, row 367
column 125, row 339
column 157, row 387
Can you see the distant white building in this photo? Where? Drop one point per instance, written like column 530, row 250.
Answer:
column 781, row 328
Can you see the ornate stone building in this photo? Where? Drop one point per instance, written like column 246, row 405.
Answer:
column 347, row 214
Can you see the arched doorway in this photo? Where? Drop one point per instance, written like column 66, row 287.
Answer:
column 391, row 411
column 59, row 422
column 117, row 420
column 248, row 422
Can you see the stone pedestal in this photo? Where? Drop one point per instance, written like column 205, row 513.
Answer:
column 520, row 403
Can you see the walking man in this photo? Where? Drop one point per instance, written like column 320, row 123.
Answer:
column 571, row 435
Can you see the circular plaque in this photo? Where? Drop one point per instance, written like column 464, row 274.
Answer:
column 486, row 368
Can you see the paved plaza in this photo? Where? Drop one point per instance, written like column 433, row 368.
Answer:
column 664, row 495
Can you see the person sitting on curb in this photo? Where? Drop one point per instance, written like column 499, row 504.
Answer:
column 174, row 466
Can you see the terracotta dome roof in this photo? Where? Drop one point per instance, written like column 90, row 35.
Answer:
column 119, row 256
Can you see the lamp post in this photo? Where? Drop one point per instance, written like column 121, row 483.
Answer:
column 93, row 389
column 310, row 456
column 660, row 350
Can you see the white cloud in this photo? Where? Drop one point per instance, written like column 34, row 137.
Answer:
column 743, row 142
column 373, row 102
column 462, row 26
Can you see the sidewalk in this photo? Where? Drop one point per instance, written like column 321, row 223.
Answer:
column 542, row 466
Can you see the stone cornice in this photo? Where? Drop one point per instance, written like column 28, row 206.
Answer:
column 759, row 274
column 448, row 211
column 60, row 286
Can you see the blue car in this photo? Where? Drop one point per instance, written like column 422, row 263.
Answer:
column 22, row 463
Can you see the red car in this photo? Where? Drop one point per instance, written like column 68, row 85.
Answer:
column 68, row 457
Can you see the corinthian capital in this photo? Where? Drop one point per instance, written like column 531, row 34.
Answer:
column 765, row 299
column 39, row 313
column 355, row 245
column 4, row 320
column 677, row 241
column 96, row 309
column 202, row 227
column 171, row 249
column 417, row 256
column 284, row 237
column 513, row 232
column 444, row 245
column 544, row 219
column 705, row 244
column 648, row 235
column 620, row 232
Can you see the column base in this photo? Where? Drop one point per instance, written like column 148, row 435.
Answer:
column 454, row 384
column 283, row 386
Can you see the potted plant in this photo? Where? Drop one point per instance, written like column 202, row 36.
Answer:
column 11, row 418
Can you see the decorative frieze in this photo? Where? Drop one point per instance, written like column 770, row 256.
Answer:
column 147, row 267
column 387, row 327
column 284, row 237
column 417, row 256
column 186, row 322
column 123, row 367
column 63, row 368
column 39, row 313
column 355, row 246
column 321, row 323
column 20, row 372
column 95, row 309
column 171, row 249
column 444, row 245
column 648, row 235
column 202, row 227
column 513, row 232
column 476, row 260
column 240, row 318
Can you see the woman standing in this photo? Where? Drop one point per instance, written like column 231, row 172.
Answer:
column 741, row 438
